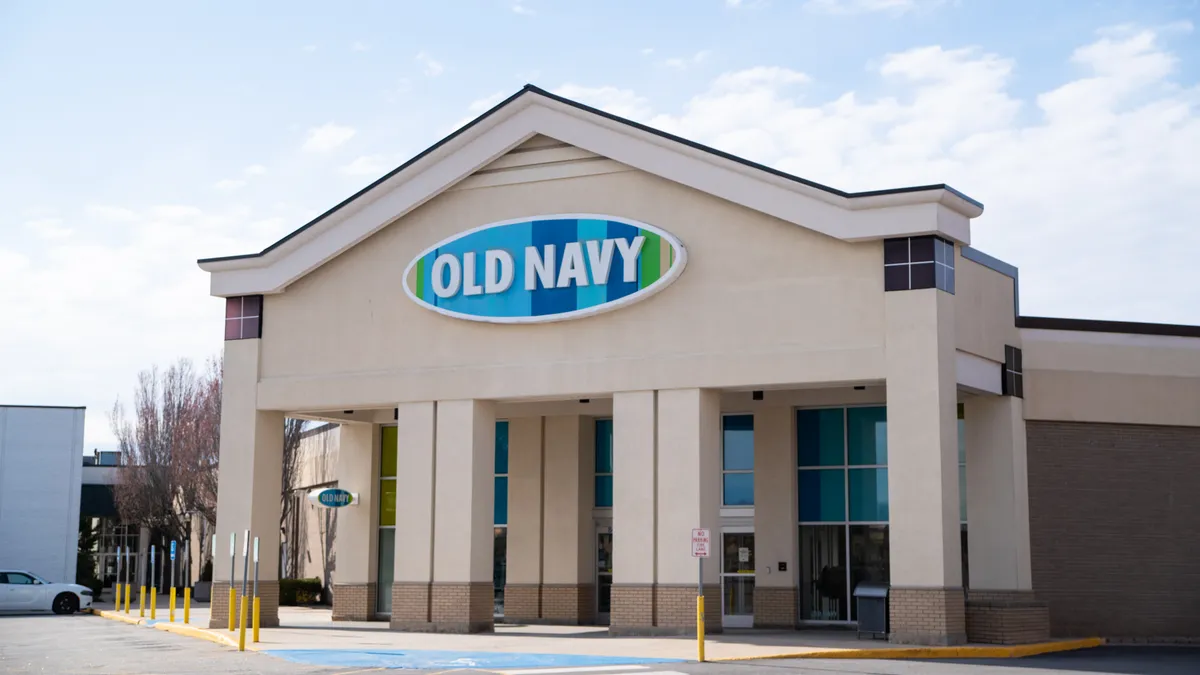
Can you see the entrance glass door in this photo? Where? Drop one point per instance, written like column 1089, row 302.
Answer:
column 737, row 579
column 604, row 573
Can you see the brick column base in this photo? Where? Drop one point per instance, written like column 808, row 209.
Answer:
column 1006, row 617
column 567, row 604
column 461, row 607
column 268, row 605
column 410, row 607
column 675, row 609
column 522, row 603
column 631, row 610
column 774, row 607
column 354, row 602
column 927, row 616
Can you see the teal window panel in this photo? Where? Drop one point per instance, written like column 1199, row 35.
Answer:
column 739, row 489
column 822, row 495
column 500, row 505
column 822, row 437
column 738, row 442
column 962, row 493
column 866, row 435
column 502, row 447
column 604, row 448
column 868, row 495
column 604, row 492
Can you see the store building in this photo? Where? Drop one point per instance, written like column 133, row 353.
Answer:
column 558, row 340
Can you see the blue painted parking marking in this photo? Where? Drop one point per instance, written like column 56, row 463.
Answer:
column 425, row 659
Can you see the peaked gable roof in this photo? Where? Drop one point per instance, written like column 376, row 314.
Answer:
column 531, row 111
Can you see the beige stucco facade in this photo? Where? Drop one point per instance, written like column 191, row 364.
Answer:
column 784, row 305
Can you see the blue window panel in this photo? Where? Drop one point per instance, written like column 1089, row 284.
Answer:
column 821, row 436
column 822, row 495
column 501, row 447
column 738, row 442
column 867, row 435
column 868, row 495
column 604, row 492
column 604, row 449
column 739, row 489
column 500, row 505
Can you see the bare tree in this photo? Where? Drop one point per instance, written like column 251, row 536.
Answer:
column 169, row 448
column 289, row 511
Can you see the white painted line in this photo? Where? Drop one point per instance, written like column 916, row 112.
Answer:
column 578, row 669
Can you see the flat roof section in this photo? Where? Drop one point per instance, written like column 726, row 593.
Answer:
column 1096, row 326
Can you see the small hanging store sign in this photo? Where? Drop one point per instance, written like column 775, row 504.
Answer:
column 333, row 497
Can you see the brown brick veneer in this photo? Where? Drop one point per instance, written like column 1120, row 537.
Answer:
column 268, row 604
column 354, row 602
column 522, row 603
column 1114, row 512
column 461, row 607
column 569, row 604
column 632, row 609
column 410, row 607
column 1006, row 617
column 675, row 609
column 774, row 607
column 927, row 616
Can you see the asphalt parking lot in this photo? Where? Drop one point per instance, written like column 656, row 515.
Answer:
column 87, row 644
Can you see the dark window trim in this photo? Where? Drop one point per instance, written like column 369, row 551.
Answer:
column 1097, row 326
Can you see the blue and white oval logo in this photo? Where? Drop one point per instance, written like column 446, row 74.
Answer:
column 334, row 497
column 547, row 268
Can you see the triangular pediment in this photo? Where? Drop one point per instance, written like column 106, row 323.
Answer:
column 535, row 135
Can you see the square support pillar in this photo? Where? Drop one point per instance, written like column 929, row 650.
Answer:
column 635, row 509
column 926, row 603
column 412, row 571
column 249, row 484
column 523, row 582
column 1001, row 606
column 568, row 584
column 689, row 496
column 775, row 518
column 354, row 577
column 461, row 599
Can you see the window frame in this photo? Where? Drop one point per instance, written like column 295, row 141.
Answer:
column 725, row 472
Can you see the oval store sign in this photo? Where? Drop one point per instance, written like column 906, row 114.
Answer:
column 332, row 497
column 547, row 268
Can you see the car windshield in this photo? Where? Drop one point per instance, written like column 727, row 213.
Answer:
column 41, row 579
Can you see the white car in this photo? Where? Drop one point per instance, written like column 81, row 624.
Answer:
column 24, row 591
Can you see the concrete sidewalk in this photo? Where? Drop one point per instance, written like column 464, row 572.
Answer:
column 312, row 630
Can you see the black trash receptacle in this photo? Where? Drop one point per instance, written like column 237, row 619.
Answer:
column 871, row 600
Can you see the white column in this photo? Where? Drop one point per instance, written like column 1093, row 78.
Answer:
column 997, row 494
column 355, row 543
column 567, row 578
column 413, row 565
column 635, row 509
column 775, row 518
column 522, row 591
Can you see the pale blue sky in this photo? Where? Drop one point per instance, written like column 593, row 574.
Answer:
column 139, row 136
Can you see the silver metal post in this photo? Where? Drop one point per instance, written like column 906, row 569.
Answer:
column 245, row 562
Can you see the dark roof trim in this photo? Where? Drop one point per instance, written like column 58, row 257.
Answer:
column 575, row 104
column 1093, row 326
column 47, row 407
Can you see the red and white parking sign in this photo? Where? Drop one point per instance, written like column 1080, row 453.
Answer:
column 700, row 542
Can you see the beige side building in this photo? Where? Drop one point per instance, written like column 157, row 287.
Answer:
column 558, row 341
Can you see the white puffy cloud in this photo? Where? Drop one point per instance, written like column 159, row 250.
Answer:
column 368, row 165
column 48, row 228
column 327, row 137
column 430, row 66
column 847, row 7
column 1088, row 184
column 622, row 102
column 683, row 63
column 357, row 46
column 520, row 8
column 228, row 184
column 255, row 170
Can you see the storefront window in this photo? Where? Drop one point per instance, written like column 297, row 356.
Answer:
column 843, row 506
column 386, row 542
column 737, row 456
column 500, row 517
column 604, row 464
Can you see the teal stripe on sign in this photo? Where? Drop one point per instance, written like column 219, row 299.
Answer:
column 590, row 296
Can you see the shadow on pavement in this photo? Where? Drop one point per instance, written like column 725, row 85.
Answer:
column 1113, row 659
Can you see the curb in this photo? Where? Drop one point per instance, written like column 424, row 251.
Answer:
column 990, row 652
column 117, row 616
column 159, row 624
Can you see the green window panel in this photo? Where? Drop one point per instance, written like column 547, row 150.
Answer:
column 387, row 503
column 387, row 450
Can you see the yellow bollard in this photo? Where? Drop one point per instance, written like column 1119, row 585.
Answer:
column 118, row 600
column 142, row 602
column 128, row 592
column 700, row 626
column 153, row 602
column 256, row 618
column 187, row 603
column 232, row 603
column 242, row 627
column 172, row 604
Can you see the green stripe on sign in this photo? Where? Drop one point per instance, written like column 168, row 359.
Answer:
column 421, row 278
column 650, row 265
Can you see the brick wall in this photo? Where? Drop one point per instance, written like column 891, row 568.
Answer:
column 522, row 602
column 268, row 604
column 1114, row 513
column 410, row 606
column 462, row 607
column 675, row 609
column 1006, row 617
column 632, row 609
column 570, row 604
column 354, row 602
column 927, row 616
column 774, row 607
